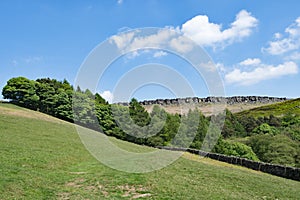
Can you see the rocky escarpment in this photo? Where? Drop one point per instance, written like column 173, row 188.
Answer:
column 212, row 100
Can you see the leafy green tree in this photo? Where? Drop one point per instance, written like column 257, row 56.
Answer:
column 46, row 93
column 99, row 99
column 292, row 131
column 249, row 123
column 155, row 141
column 235, row 149
column 106, row 120
column 278, row 149
column 201, row 131
column 290, row 119
column 274, row 121
column 84, row 110
column 138, row 113
column 170, row 128
column 265, row 129
column 63, row 105
column 232, row 127
column 21, row 91
column 212, row 137
column 187, row 130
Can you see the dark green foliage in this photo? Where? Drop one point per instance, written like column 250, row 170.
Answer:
column 232, row 127
column 278, row 149
column 265, row 129
column 249, row 123
column 170, row 128
column 99, row 100
column 46, row 95
column 22, row 91
column 84, row 110
column 187, row 129
column 138, row 113
column 235, row 149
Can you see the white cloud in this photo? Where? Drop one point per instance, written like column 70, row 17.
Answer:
column 282, row 44
column 33, row 59
column 210, row 66
column 107, row 95
column 120, row 2
column 263, row 72
column 160, row 39
column 122, row 40
column 209, row 34
column 199, row 29
column 27, row 60
column 158, row 54
column 132, row 41
column 181, row 44
column 166, row 38
column 133, row 55
column 277, row 35
column 250, row 61
column 221, row 67
column 294, row 56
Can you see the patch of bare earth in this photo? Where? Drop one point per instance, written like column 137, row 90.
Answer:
column 134, row 192
column 63, row 196
column 128, row 191
column 78, row 183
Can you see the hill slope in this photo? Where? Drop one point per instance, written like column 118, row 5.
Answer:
column 277, row 109
column 43, row 158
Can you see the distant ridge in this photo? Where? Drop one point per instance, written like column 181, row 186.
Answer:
column 212, row 100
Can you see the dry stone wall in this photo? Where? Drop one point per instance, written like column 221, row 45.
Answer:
column 277, row 170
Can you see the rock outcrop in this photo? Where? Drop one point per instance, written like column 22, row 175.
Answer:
column 214, row 100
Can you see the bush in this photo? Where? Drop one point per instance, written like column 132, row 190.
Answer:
column 235, row 149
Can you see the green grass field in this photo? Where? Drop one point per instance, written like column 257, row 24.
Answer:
column 43, row 158
column 277, row 109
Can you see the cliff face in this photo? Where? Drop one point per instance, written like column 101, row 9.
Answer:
column 212, row 100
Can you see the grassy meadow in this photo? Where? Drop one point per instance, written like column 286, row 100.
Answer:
column 43, row 158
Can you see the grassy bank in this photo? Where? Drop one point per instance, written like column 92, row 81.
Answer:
column 43, row 158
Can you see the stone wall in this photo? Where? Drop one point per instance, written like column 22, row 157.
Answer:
column 277, row 170
column 215, row 100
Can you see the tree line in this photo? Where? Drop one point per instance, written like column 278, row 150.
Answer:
column 270, row 139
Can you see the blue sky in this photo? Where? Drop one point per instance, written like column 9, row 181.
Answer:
column 255, row 45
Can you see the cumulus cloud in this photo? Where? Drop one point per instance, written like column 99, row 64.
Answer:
column 122, row 40
column 290, row 42
column 210, row 34
column 158, row 54
column 294, row 56
column 181, row 44
column 107, row 95
column 250, row 61
column 160, row 39
column 221, row 67
column 262, row 72
column 168, row 37
column 199, row 29
column 132, row 41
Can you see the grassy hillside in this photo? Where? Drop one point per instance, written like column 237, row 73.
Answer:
column 277, row 109
column 43, row 158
